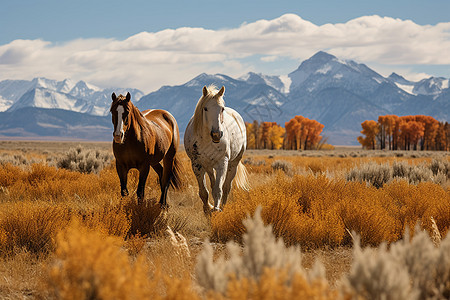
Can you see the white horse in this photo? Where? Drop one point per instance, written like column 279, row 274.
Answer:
column 215, row 140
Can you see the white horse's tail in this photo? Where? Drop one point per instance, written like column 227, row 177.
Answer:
column 241, row 179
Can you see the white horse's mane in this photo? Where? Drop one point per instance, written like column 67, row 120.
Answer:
column 197, row 121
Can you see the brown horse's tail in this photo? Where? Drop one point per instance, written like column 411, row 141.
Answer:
column 177, row 171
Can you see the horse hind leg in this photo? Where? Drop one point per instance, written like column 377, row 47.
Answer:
column 231, row 173
column 166, row 177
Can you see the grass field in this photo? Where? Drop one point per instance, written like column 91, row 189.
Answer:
column 340, row 223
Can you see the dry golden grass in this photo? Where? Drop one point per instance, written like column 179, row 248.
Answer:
column 314, row 211
column 52, row 219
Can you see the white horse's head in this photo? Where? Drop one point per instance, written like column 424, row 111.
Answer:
column 208, row 116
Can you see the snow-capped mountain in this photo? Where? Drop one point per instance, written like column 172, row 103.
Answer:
column 431, row 86
column 253, row 100
column 340, row 94
column 67, row 94
column 280, row 83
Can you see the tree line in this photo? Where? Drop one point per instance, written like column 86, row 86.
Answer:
column 417, row 132
column 298, row 133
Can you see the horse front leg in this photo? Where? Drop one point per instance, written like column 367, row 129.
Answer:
column 143, row 174
column 221, row 171
column 122, row 172
column 199, row 172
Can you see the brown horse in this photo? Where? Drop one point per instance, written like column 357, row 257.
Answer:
column 143, row 140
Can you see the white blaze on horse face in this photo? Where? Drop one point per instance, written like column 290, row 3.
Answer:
column 119, row 134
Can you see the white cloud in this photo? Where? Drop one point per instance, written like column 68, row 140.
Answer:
column 271, row 58
column 150, row 59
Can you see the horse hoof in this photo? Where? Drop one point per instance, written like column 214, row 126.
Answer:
column 164, row 206
column 215, row 209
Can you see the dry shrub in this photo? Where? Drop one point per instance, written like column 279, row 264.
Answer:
column 266, row 269
column 380, row 174
column 414, row 203
column 110, row 220
column 272, row 286
column 92, row 265
column 20, row 275
column 316, row 167
column 146, row 219
column 84, row 160
column 315, row 211
column 414, row 269
column 31, row 226
column 47, row 183
column 17, row 159
column 282, row 165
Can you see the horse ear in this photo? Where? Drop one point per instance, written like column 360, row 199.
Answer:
column 221, row 91
column 128, row 97
column 113, row 97
column 205, row 91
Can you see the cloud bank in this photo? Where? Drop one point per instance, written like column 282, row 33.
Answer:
column 149, row 60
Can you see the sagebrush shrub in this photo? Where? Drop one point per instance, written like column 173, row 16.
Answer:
column 17, row 160
column 375, row 174
column 84, row 161
column 380, row 174
column 408, row 269
column 262, row 257
column 282, row 165
column 440, row 166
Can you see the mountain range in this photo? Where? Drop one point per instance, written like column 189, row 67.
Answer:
column 340, row 94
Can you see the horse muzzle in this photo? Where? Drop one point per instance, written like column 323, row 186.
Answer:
column 118, row 138
column 216, row 136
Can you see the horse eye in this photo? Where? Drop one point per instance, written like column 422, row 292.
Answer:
column 223, row 109
column 205, row 109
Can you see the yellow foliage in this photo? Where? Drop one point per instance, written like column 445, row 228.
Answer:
column 31, row 226
column 92, row 265
column 273, row 285
column 314, row 210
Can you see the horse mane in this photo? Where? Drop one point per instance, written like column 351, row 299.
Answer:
column 139, row 124
column 197, row 121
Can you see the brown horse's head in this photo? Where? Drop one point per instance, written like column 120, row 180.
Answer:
column 120, row 110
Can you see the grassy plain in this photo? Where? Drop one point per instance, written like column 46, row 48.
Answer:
column 67, row 234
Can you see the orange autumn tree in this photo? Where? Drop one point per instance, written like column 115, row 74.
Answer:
column 264, row 135
column 407, row 132
column 370, row 129
column 254, row 134
column 388, row 130
column 276, row 136
column 302, row 133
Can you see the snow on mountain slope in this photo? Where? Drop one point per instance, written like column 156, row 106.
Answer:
column 431, row 86
column 277, row 82
column 67, row 94
column 5, row 104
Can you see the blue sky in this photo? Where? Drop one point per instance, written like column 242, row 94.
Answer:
column 128, row 43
